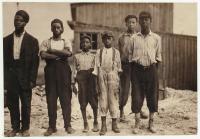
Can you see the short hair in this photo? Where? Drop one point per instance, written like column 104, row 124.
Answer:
column 130, row 16
column 23, row 14
column 57, row 21
column 145, row 14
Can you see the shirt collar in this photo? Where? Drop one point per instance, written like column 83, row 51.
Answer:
column 85, row 53
column 140, row 34
column 128, row 34
column 21, row 34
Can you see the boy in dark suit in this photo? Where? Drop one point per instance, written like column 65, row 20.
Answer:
column 21, row 62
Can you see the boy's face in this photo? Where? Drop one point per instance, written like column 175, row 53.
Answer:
column 131, row 24
column 145, row 22
column 57, row 29
column 19, row 22
column 107, row 41
column 85, row 44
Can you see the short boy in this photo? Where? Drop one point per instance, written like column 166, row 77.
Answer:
column 107, row 68
column 57, row 77
column 84, row 65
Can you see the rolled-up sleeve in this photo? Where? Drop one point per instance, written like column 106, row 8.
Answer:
column 159, row 50
column 96, row 63
column 118, row 60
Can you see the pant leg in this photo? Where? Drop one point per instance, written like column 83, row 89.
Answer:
column 124, row 85
column 83, row 86
column 25, row 96
column 51, row 95
column 13, row 100
column 103, row 99
column 113, row 90
column 64, row 91
column 137, row 93
column 92, row 92
column 152, row 89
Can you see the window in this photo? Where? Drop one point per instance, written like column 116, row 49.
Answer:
column 93, row 37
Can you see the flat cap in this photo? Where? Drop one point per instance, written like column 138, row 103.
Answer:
column 86, row 36
column 23, row 14
column 107, row 34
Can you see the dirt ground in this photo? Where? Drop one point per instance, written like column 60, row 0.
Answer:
column 177, row 115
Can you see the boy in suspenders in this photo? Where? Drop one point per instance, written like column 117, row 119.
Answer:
column 55, row 51
column 107, row 67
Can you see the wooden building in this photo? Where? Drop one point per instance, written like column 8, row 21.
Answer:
column 179, row 66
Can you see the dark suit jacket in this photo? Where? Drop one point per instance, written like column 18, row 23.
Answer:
column 29, row 60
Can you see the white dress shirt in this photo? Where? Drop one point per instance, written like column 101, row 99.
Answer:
column 17, row 45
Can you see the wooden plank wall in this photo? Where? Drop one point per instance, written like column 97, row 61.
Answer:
column 113, row 14
column 179, row 66
column 179, row 61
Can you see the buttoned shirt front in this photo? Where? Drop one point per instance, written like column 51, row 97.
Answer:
column 145, row 50
column 17, row 45
column 84, row 61
column 124, row 43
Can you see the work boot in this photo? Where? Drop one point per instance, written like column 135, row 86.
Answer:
column 50, row 131
column 103, row 126
column 151, row 126
column 95, row 127
column 114, row 126
column 12, row 133
column 86, row 127
column 143, row 115
column 69, row 130
column 122, row 117
column 137, row 126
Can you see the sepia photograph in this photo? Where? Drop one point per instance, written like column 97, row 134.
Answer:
column 99, row 69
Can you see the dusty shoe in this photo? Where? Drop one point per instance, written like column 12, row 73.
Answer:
column 114, row 126
column 69, row 130
column 137, row 126
column 12, row 133
column 86, row 128
column 50, row 131
column 95, row 127
column 151, row 126
column 143, row 115
column 25, row 133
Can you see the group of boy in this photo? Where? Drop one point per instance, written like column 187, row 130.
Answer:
column 103, row 79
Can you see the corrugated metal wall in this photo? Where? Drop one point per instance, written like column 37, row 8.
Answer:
column 113, row 14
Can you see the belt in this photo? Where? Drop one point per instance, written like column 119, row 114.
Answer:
column 143, row 67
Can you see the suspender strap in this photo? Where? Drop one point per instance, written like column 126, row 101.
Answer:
column 113, row 57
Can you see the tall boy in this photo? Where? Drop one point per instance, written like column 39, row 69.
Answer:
column 57, row 77
column 145, row 57
column 124, row 43
column 107, row 67
column 21, row 61
column 84, row 65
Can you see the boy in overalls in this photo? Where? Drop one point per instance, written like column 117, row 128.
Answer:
column 84, row 65
column 55, row 51
column 107, row 68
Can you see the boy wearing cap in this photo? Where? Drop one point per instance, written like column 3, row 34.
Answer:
column 21, row 62
column 107, row 67
column 124, row 43
column 55, row 51
column 145, row 56
column 84, row 65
